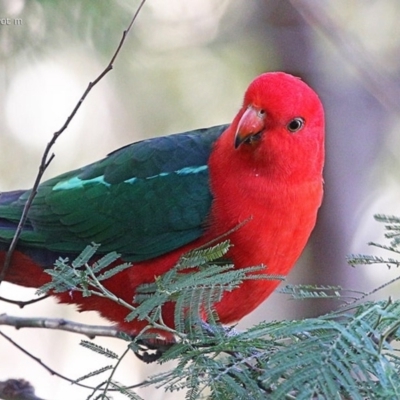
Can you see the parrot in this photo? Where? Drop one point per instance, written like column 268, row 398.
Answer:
column 155, row 200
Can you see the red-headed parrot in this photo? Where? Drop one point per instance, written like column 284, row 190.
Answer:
column 156, row 199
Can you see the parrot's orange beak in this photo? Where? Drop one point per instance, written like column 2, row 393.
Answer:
column 250, row 124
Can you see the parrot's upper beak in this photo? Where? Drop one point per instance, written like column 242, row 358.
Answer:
column 250, row 124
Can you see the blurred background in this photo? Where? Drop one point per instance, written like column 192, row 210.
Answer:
column 186, row 65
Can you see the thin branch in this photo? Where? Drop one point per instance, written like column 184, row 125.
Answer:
column 40, row 362
column 54, row 373
column 105, row 293
column 21, row 303
column 91, row 331
column 47, row 157
column 114, row 369
column 61, row 324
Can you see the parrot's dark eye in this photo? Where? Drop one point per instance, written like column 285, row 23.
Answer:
column 295, row 124
column 261, row 113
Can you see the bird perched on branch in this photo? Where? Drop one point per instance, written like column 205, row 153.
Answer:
column 154, row 200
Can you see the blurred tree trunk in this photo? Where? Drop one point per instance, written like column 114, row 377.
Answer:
column 355, row 126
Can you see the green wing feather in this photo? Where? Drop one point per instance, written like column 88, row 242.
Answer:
column 143, row 200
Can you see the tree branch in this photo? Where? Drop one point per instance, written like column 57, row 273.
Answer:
column 21, row 303
column 53, row 372
column 61, row 324
column 47, row 157
column 144, row 353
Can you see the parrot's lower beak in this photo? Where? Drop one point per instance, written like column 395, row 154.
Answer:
column 250, row 125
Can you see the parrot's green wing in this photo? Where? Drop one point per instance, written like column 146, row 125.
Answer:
column 143, row 200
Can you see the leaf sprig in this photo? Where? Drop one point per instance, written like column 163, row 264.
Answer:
column 348, row 353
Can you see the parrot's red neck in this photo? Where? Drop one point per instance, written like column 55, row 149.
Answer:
column 280, row 218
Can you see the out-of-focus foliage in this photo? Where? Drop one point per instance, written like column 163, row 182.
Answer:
column 182, row 67
column 44, row 26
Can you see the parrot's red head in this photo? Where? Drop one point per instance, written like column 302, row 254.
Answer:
column 280, row 126
column 266, row 172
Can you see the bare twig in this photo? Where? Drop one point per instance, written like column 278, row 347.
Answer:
column 21, row 303
column 114, row 369
column 40, row 362
column 55, row 373
column 90, row 331
column 47, row 157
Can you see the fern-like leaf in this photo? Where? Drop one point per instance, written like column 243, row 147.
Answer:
column 99, row 349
